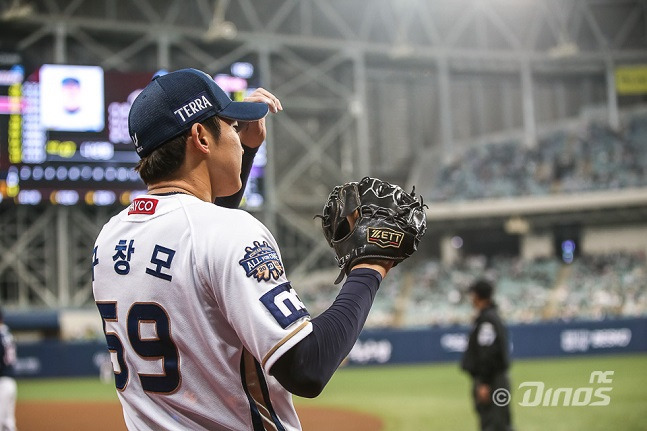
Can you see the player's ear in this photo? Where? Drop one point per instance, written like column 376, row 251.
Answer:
column 198, row 138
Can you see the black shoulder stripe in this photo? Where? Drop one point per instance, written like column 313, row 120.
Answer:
column 257, row 420
column 266, row 396
column 264, row 418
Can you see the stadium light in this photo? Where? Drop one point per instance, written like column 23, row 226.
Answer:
column 563, row 50
column 218, row 27
column 517, row 226
column 16, row 11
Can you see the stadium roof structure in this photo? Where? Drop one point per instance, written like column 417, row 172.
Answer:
column 377, row 88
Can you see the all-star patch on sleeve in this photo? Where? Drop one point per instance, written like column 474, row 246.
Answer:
column 262, row 262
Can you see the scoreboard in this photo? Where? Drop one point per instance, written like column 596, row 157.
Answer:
column 64, row 134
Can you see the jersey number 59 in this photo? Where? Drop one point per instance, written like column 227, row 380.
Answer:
column 158, row 348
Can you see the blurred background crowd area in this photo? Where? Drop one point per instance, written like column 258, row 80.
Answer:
column 428, row 293
column 592, row 158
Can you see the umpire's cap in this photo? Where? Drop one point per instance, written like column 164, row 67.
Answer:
column 171, row 103
column 482, row 289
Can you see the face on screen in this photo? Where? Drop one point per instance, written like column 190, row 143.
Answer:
column 71, row 92
column 71, row 98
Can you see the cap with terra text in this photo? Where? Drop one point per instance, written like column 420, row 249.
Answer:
column 171, row 103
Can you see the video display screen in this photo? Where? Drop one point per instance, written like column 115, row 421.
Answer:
column 64, row 134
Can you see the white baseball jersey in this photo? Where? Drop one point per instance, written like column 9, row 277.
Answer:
column 8, row 348
column 196, row 309
column 8, row 387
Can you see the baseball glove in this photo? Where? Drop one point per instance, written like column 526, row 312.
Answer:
column 389, row 223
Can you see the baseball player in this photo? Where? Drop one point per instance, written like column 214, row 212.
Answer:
column 204, row 329
column 7, row 382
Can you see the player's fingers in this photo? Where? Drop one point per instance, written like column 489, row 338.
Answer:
column 259, row 98
column 352, row 218
column 262, row 95
column 270, row 96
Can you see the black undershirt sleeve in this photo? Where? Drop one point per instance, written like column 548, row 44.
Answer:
column 234, row 200
column 307, row 367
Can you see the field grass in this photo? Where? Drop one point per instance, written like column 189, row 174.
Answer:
column 436, row 397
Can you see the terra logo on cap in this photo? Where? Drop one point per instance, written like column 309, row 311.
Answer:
column 193, row 108
column 170, row 104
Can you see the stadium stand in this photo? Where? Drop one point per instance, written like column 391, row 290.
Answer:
column 596, row 158
column 431, row 294
column 605, row 286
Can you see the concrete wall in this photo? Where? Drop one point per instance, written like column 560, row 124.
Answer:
column 599, row 240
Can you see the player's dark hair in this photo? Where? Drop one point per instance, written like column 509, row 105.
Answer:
column 163, row 163
column 483, row 289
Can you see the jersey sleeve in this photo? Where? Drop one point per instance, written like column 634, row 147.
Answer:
column 250, row 285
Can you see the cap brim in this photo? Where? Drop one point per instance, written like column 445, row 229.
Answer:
column 244, row 111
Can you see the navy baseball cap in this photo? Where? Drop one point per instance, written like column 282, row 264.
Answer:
column 171, row 103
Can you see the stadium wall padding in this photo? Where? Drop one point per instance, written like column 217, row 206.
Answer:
column 527, row 341
column 54, row 358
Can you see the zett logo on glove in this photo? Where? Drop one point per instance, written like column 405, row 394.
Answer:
column 384, row 237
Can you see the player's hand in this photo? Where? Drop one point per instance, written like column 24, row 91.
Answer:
column 252, row 133
column 381, row 266
column 483, row 393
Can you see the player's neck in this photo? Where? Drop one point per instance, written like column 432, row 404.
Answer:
column 192, row 178
column 179, row 186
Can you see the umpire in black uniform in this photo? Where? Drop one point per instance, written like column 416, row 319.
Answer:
column 487, row 360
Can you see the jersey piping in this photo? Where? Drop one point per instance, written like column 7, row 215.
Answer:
column 264, row 417
column 284, row 341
